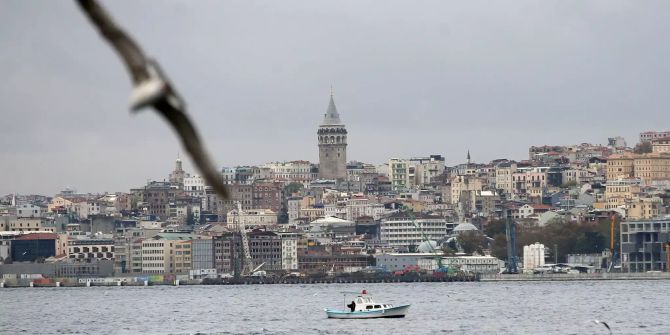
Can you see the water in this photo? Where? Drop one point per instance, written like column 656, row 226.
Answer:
column 630, row 307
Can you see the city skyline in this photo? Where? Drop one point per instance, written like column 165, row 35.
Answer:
column 407, row 81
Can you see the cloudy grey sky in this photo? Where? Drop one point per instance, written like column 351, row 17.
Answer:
column 410, row 77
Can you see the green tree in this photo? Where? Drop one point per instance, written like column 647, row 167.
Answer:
column 499, row 246
column 495, row 227
column 472, row 241
column 292, row 188
column 643, row 148
column 590, row 242
column 190, row 219
column 571, row 183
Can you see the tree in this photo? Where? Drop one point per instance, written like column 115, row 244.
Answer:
column 292, row 188
column 569, row 184
column 283, row 216
column 499, row 246
column 643, row 147
column 472, row 241
column 495, row 227
column 190, row 219
column 449, row 249
column 589, row 243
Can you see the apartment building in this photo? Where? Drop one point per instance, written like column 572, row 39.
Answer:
column 399, row 229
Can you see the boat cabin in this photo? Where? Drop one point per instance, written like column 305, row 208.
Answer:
column 366, row 304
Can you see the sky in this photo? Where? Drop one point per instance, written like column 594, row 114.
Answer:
column 410, row 78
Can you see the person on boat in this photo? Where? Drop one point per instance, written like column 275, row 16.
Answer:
column 352, row 305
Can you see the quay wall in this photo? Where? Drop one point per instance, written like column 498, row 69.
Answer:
column 576, row 277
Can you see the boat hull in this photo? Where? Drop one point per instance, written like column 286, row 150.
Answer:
column 393, row 312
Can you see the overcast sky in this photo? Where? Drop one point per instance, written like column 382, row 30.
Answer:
column 410, row 79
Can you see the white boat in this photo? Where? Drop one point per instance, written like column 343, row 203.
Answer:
column 364, row 307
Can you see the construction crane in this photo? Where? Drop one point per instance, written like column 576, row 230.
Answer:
column 248, row 265
column 510, row 232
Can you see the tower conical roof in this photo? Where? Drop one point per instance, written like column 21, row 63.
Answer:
column 331, row 117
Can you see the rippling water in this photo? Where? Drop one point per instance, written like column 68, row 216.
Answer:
column 630, row 307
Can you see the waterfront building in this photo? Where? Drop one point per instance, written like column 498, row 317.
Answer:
column 202, row 254
column 90, row 249
column 399, row 230
column 289, row 250
column 159, row 253
column 643, row 245
column 332, row 139
column 472, row 264
column 338, row 263
column 128, row 251
column 265, row 248
column 395, row 261
column 33, row 247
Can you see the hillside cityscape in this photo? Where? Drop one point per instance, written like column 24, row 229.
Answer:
column 582, row 208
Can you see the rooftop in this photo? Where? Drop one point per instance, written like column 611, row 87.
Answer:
column 331, row 118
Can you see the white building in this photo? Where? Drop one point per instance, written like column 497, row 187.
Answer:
column 86, row 208
column 291, row 172
column 357, row 207
column 28, row 211
column 328, row 229
column 394, row 261
column 399, row 230
column 474, row 264
column 400, row 175
column 194, row 186
column 252, row 217
column 533, row 257
column 293, row 209
column 503, row 172
column 91, row 248
column 427, row 168
column 289, row 251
